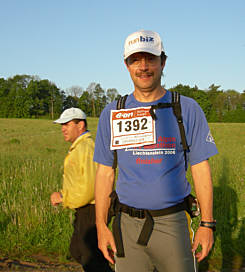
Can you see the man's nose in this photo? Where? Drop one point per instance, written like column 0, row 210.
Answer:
column 143, row 65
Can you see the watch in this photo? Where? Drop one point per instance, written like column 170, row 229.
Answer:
column 210, row 225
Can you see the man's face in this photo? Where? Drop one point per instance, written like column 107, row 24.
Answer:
column 145, row 70
column 71, row 131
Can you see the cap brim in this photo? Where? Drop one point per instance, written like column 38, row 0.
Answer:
column 151, row 51
column 62, row 120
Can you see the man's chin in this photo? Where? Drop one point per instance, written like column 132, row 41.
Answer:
column 146, row 88
column 66, row 139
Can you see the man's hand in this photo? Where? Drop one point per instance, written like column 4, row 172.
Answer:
column 103, row 187
column 106, row 243
column 204, row 191
column 56, row 198
column 204, row 238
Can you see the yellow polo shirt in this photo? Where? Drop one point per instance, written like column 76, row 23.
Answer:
column 79, row 173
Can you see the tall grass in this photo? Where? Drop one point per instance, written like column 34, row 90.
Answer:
column 228, row 171
column 31, row 166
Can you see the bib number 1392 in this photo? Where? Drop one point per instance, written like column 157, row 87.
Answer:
column 132, row 127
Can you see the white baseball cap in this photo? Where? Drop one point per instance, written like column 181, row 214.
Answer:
column 143, row 41
column 70, row 114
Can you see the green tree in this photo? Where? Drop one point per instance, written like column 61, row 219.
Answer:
column 91, row 89
column 45, row 98
column 100, row 99
column 232, row 100
column 199, row 96
column 4, row 91
column 70, row 102
column 85, row 103
column 215, row 96
column 14, row 96
column 27, row 96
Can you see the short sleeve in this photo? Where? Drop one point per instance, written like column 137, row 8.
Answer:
column 201, row 143
column 102, row 152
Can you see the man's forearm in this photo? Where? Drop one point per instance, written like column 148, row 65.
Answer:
column 103, row 188
column 204, row 189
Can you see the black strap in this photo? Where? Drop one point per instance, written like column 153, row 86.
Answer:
column 177, row 112
column 149, row 222
column 114, row 166
column 117, row 208
column 117, row 234
column 158, row 106
column 148, row 215
column 120, row 105
column 121, row 102
column 146, row 230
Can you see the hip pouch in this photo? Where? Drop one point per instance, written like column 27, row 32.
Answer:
column 192, row 206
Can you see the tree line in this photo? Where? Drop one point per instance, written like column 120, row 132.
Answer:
column 26, row 96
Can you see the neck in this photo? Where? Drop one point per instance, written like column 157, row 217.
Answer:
column 79, row 134
column 149, row 96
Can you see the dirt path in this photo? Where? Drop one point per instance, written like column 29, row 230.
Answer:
column 42, row 264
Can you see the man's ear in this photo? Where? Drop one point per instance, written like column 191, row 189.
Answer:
column 81, row 125
column 125, row 62
column 163, row 63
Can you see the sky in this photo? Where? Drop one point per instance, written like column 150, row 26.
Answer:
column 77, row 42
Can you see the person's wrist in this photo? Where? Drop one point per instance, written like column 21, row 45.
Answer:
column 100, row 224
column 208, row 224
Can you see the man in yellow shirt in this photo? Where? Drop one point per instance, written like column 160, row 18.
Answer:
column 78, row 190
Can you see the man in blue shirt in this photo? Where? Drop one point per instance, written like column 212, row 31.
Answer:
column 152, row 185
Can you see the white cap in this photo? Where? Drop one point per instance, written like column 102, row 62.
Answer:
column 70, row 114
column 143, row 41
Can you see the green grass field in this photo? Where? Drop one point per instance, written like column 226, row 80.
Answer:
column 31, row 165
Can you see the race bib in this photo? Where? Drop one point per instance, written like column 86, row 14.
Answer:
column 132, row 128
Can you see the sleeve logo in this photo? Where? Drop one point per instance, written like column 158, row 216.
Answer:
column 210, row 138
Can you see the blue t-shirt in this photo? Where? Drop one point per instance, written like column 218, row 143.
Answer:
column 153, row 176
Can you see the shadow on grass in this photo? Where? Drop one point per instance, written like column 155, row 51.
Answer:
column 225, row 212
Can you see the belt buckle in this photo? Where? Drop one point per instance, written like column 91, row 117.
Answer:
column 131, row 212
column 136, row 213
column 140, row 214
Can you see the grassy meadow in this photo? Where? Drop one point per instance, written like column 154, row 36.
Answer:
column 31, row 165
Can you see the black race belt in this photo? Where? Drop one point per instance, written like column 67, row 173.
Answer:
column 117, row 208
